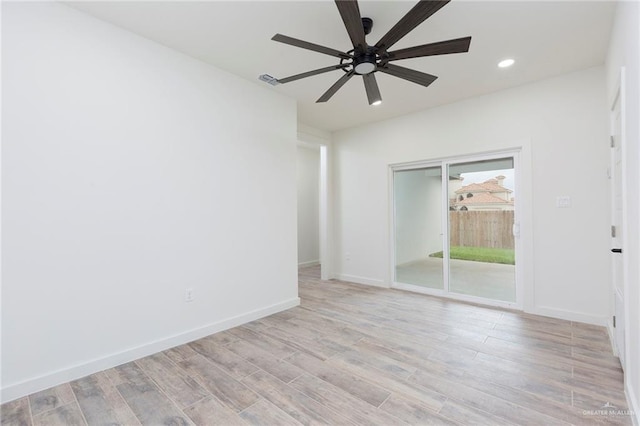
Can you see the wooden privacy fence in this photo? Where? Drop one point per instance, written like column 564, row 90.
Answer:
column 481, row 228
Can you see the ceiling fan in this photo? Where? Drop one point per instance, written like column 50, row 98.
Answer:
column 366, row 60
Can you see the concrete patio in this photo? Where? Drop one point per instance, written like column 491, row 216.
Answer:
column 489, row 280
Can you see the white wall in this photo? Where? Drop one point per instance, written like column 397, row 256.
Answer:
column 308, row 179
column 130, row 173
column 562, row 125
column 624, row 51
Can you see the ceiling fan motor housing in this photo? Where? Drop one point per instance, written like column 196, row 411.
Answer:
column 365, row 63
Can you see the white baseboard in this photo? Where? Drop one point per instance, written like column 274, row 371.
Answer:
column 27, row 387
column 569, row 315
column 309, row 263
column 538, row 310
column 632, row 402
column 362, row 280
column 611, row 333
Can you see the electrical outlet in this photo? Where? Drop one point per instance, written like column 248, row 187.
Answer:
column 563, row 201
column 347, row 256
column 188, row 295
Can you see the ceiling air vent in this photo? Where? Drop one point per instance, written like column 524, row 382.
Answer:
column 267, row 78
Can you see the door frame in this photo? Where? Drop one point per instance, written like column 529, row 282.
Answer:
column 621, row 98
column 444, row 163
column 316, row 139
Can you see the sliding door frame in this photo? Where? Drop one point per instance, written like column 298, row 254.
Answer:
column 444, row 164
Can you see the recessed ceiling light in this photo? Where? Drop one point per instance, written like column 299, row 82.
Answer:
column 506, row 63
column 377, row 103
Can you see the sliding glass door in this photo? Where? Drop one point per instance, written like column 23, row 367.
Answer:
column 454, row 223
column 481, row 219
column 418, row 212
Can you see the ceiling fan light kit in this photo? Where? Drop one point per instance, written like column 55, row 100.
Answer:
column 366, row 60
column 365, row 63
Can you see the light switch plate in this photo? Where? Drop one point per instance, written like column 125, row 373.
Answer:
column 563, row 201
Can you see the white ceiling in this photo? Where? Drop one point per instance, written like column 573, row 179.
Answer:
column 545, row 38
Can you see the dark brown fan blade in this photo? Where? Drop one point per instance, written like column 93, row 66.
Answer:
column 407, row 74
column 310, row 73
column 371, row 86
column 458, row 45
column 412, row 19
column 333, row 89
column 310, row 46
column 350, row 13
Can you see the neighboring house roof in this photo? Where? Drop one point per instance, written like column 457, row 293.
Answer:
column 490, row 185
column 483, row 198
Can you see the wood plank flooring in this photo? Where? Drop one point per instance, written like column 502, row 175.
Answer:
column 354, row 355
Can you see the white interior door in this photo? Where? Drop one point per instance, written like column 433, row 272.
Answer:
column 616, row 230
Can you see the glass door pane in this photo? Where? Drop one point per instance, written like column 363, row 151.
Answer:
column 418, row 227
column 481, row 218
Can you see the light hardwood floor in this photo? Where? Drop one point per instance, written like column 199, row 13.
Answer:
column 354, row 355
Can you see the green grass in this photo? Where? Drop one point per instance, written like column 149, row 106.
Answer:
column 481, row 254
